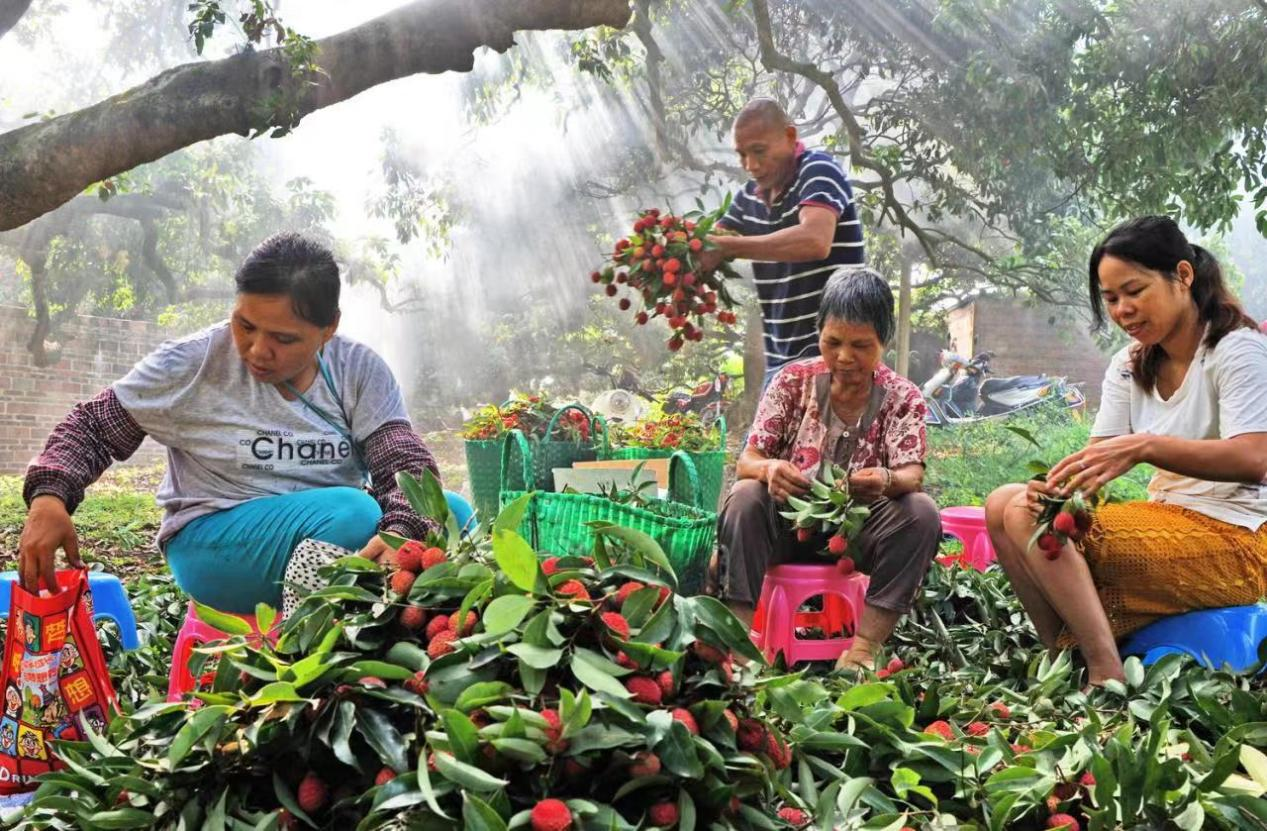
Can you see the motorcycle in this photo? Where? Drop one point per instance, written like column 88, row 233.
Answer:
column 707, row 400
column 959, row 392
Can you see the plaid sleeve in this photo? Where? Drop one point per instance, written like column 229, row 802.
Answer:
column 392, row 448
column 94, row 434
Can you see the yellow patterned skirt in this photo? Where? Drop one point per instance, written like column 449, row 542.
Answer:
column 1150, row 560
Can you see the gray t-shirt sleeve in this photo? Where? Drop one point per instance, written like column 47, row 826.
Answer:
column 370, row 391
column 154, row 391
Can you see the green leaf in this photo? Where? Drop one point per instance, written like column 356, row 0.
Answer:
column 511, row 516
column 642, row 544
column 391, row 539
column 382, row 736
column 426, row 497
column 506, row 612
column 229, row 624
column 591, row 670
column 483, row 694
column 467, row 776
column 122, row 818
column 714, row 614
column 478, row 815
column 198, row 725
column 265, row 617
column 516, row 559
column 464, row 740
column 1023, row 433
column 537, row 657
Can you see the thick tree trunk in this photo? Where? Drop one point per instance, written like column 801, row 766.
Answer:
column 11, row 12
column 44, row 165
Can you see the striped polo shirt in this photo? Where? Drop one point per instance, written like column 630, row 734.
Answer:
column 789, row 293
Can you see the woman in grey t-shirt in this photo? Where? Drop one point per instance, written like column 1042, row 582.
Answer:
column 272, row 422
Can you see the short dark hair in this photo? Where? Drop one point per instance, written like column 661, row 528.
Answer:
column 1157, row 244
column 765, row 111
column 860, row 296
column 298, row 267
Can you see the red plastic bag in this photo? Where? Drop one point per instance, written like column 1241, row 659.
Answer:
column 54, row 679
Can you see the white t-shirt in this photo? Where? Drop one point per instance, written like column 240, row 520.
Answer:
column 1223, row 395
column 231, row 438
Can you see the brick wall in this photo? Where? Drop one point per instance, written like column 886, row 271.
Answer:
column 1029, row 340
column 95, row 352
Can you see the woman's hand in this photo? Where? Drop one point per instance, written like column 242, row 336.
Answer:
column 784, row 479
column 48, row 528
column 378, row 551
column 1035, row 489
column 1097, row 464
column 868, row 485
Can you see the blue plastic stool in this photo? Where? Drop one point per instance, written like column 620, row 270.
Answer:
column 109, row 602
column 461, row 510
column 1213, row 637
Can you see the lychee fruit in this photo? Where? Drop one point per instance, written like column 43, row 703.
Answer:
column 616, row 622
column 804, row 534
column 687, row 720
column 1050, row 545
column 977, row 728
column 438, row 624
column 845, row 566
column 417, row 683
column 665, row 680
column 551, row 815
column 625, row 661
column 466, row 627
column 731, row 719
column 1065, row 524
column 793, row 816
column 413, row 618
column 896, row 665
column 645, row 763
column 750, row 735
column 1063, row 821
column 549, row 566
column 1000, row 709
column 555, row 742
column 626, row 589
column 432, row 557
column 312, row 794
column 777, row 749
column 707, row 652
column 371, row 681
column 941, row 728
column 1087, row 780
column 402, row 581
column 409, row 556
column 645, row 690
column 574, row 589
column 384, row 776
column 442, row 643
column 837, row 545
column 663, row 814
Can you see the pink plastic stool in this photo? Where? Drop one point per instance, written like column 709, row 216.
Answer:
column 194, row 633
column 968, row 525
column 785, row 588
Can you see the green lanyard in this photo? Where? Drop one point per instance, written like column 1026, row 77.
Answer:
column 345, row 429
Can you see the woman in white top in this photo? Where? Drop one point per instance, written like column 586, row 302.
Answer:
column 1189, row 396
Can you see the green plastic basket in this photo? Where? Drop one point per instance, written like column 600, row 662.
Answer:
column 550, row 453
column 484, row 460
column 709, row 464
column 555, row 522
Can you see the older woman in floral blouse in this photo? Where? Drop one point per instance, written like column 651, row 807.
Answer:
column 848, row 408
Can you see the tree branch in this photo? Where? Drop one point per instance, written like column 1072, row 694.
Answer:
column 11, row 12
column 43, row 165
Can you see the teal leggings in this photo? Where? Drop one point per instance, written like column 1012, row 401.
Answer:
column 236, row 558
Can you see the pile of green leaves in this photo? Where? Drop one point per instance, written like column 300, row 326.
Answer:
column 981, row 729
column 337, row 696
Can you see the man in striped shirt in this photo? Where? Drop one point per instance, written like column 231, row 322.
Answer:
column 796, row 221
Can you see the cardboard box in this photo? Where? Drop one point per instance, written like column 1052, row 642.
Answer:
column 591, row 477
